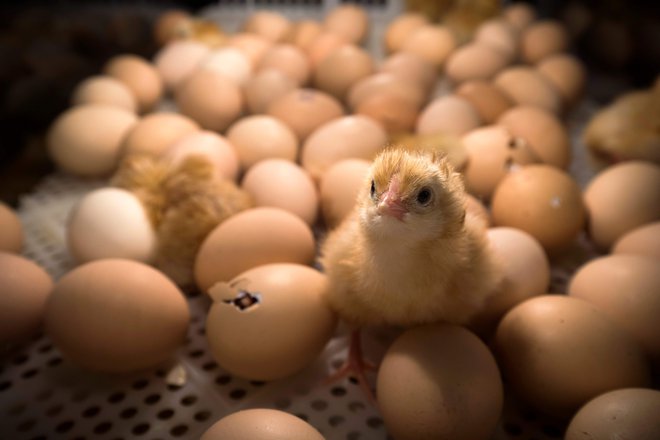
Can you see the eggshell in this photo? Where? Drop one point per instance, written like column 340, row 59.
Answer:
column 178, row 60
column 625, row 413
column 253, row 46
column 526, row 86
column 210, row 99
column 304, row 32
column 448, row 114
column 322, row 46
column 384, row 83
column 541, row 131
column 110, row 223
column 451, row 380
column 567, row 74
column 337, row 72
column 260, row 137
column 625, row 288
column 304, row 110
column 86, row 140
column 519, row 15
column 643, row 240
column 541, row 39
column 348, row 20
column 283, row 184
column 278, row 335
column 558, row 352
column 354, row 136
column 269, row 24
column 621, row 198
column 477, row 209
column 265, row 87
column 289, row 60
column 230, row 62
column 474, row 61
column 261, row 424
column 214, row 147
column 411, row 68
column 155, row 133
column 166, row 24
column 489, row 101
column 140, row 76
column 103, row 89
column 24, row 289
column 12, row 237
column 542, row 201
column 400, row 28
column 500, row 35
column 525, row 274
column 339, row 187
column 116, row 316
column 396, row 113
column 251, row 238
column 433, row 43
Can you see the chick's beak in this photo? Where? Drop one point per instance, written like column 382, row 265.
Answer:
column 391, row 204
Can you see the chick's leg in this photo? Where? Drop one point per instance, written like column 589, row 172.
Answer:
column 355, row 366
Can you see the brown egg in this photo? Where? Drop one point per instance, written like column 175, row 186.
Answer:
column 448, row 114
column 11, row 230
column 474, row 61
column 489, row 101
column 477, row 209
column 253, row 46
column 396, row 113
column 541, row 39
column 400, row 28
column 214, row 147
column 230, row 62
column 348, row 20
column 500, row 35
column 625, row 288
column 303, row 33
column 116, row 316
column 249, row 239
column 621, row 198
column 541, row 131
column 525, row 271
column 24, row 289
column 157, row 132
column 492, row 153
column 384, row 83
column 526, row 86
column 86, row 140
column 411, row 68
column 625, row 413
column 210, row 99
column 260, row 137
column 139, row 76
column 103, row 89
column 348, row 137
column 167, row 23
column 178, row 60
column 542, row 201
column 558, row 352
column 643, row 240
column 289, row 60
column 566, row 73
column 433, row 43
column 283, row 184
column 261, row 424
column 265, row 87
column 269, row 24
column 339, row 188
column 270, row 321
column 519, row 15
column 337, row 72
column 451, row 380
column 304, row 110
column 322, row 46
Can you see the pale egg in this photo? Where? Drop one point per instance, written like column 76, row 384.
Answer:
column 104, row 89
column 396, row 113
column 448, row 114
column 253, row 46
column 348, row 20
column 140, row 76
column 411, row 68
column 337, row 72
column 260, row 137
column 230, row 62
column 526, row 86
column 289, row 60
column 256, row 423
column 384, row 82
column 214, row 147
column 155, row 133
column 322, row 46
column 304, row 32
column 474, row 61
column 178, row 60
column 269, row 24
column 401, row 27
column 433, row 43
column 265, row 87
column 643, row 240
column 499, row 35
column 339, row 188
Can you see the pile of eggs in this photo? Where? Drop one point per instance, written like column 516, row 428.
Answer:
column 293, row 113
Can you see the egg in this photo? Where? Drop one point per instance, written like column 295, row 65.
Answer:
column 86, row 140
column 260, row 137
column 261, row 424
column 477, row 209
column 252, row 238
column 156, row 132
column 322, row 46
column 230, row 62
column 289, row 60
column 526, row 86
column 337, row 72
column 500, row 35
column 251, row 45
column 339, row 187
column 283, row 184
column 519, row 15
column 542, row 201
column 435, row 381
column 116, row 316
column 210, row 99
column 167, row 23
column 625, row 413
column 385, row 82
column 140, row 76
column 304, row 32
column 304, row 110
column 448, row 114
column 474, row 61
column 625, row 288
column 269, row 322
column 542, row 133
column 525, row 274
column 396, row 113
column 214, row 147
column 348, row 20
column 643, row 240
column 541, row 39
column 489, row 101
column 621, row 198
column 103, row 89
column 12, row 236
column 264, row 88
column 24, row 290
column 353, row 136
column 269, row 24
column 411, row 68
column 110, row 223
column 398, row 30
column 178, row 60
column 567, row 74
column 558, row 352
column 433, row 43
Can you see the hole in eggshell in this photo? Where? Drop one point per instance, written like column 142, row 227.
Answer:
column 244, row 301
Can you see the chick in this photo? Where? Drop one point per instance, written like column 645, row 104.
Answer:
column 409, row 253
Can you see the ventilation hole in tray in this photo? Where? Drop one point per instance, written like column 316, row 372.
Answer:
column 64, row 427
column 30, row 373
column 20, row 359
column 319, row 405
column 152, row 399
column 91, row 412
column 174, row 387
column 128, row 413
column 79, row 396
column 237, row 394
column 54, row 410
column 202, row 416
column 179, row 430
column 5, row 385
column 223, row 379
column 374, row 422
column 140, row 429
column 161, row 373
column 45, row 348
column 353, row 435
column 116, row 397
column 140, row 384
column 551, row 431
column 356, row 406
column 26, row 425
column 282, row 403
column 209, row 366
column 257, row 383
column 188, row 400
column 102, row 428
column 55, row 361
column 165, row 414
column 196, row 353
column 338, row 391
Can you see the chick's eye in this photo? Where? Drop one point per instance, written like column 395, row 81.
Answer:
column 424, row 196
column 373, row 189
